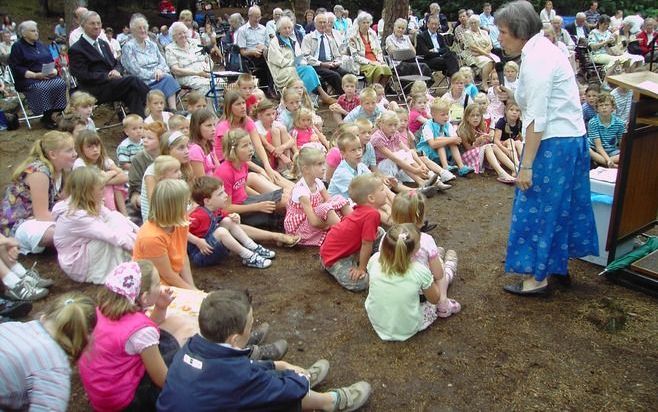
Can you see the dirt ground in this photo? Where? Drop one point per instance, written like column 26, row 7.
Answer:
column 500, row 353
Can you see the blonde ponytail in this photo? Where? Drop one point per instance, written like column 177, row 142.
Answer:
column 397, row 249
column 72, row 317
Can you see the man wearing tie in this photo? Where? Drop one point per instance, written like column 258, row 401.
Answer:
column 432, row 46
column 97, row 71
column 321, row 52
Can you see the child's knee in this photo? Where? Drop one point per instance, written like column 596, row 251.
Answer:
column 220, row 233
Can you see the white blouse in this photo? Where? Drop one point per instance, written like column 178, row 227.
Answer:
column 547, row 91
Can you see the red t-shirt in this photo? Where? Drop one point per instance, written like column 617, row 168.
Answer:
column 200, row 221
column 235, row 181
column 344, row 239
column 251, row 101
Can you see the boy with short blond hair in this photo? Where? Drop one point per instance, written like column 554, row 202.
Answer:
column 347, row 101
column 133, row 127
column 367, row 109
column 178, row 123
column 350, row 243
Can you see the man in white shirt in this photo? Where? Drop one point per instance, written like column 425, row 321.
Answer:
column 253, row 40
column 271, row 25
column 322, row 52
column 75, row 34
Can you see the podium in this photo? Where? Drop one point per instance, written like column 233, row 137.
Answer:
column 635, row 201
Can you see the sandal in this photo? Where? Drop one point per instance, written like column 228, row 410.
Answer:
column 507, row 180
column 291, row 241
column 448, row 309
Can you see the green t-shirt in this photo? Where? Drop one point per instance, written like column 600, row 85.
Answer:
column 393, row 304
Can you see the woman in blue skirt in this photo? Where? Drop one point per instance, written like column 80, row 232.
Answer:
column 552, row 217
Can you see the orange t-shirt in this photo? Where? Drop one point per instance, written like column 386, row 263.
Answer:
column 153, row 242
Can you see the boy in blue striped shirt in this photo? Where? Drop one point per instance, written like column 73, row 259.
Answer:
column 604, row 132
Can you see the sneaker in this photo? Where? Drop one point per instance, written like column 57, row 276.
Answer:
column 352, row 397
column 287, row 174
column 452, row 168
column 464, row 170
column 431, row 179
column 257, row 261
column 258, row 334
column 318, row 372
column 14, row 309
column 36, row 278
column 271, row 351
column 427, row 226
column 428, row 191
column 442, row 186
column 26, row 290
column 264, row 253
column 447, row 175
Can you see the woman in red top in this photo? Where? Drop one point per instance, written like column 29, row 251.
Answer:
column 647, row 34
column 365, row 50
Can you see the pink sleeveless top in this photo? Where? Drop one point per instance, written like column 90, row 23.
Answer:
column 109, row 375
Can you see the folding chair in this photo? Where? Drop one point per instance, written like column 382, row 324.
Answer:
column 407, row 56
column 8, row 77
column 589, row 68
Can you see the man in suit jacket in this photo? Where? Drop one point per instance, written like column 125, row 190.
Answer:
column 578, row 29
column 97, row 71
column 431, row 45
column 328, row 66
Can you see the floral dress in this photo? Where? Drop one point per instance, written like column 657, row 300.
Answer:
column 296, row 221
column 16, row 206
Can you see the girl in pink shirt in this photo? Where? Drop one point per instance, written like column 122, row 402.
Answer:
column 235, row 117
column 202, row 136
column 261, row 209
column 305, row 133
column 130, row 349
column 90, row 239
column 418, row 115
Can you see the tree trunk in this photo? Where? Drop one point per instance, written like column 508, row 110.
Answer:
column 43, row 6
column 299, row 7
column 69, row 8
column 393, row 10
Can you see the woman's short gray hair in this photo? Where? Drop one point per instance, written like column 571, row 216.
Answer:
column 400, row 22
column 557, row 19
column 178, row 26
column 27, row 24
column 236, row 18
column 137, row 20
column 363, row 17
column 520, row 18
column 473, row 19
column 283, row 20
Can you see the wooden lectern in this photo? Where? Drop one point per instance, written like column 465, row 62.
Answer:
column 635, row 203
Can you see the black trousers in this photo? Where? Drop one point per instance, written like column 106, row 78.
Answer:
column 447, row 63
column 258, row 68
column 129, row 89
column 333, row 77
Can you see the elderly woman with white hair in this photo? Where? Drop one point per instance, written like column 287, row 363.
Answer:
column 365, row 50
column 287, row 62
column 141, row 57
column 546, row 229
column 400, row 41
column 190, row 67
column 30, row 62
column 477, row 49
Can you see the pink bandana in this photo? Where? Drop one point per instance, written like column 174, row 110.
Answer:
column 125, row 280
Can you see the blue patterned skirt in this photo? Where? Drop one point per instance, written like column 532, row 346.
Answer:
column 553, row 220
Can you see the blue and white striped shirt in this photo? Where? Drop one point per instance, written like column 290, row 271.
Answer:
column 35, row 373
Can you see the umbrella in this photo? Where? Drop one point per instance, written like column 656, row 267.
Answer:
column 627, row 259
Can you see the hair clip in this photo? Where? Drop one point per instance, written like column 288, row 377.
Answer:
column 173, row 137
column 411, row 193
column 68, row 301
column 403, row 236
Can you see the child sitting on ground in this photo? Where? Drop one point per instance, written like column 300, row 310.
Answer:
column 311, row 212
column 347, row 101
column 89, row 238
column 91, row 152
column 333, row 155
column 221, row 232
column 623, row 100
column 194, row 101
column 133, row 128
column 437, row 135
column 276, row 139
column 511, row 76
column 482, row 101
column 126, row 362
column 305, row 133
column 368, row 108
column 349, row 244
column 143, row 160
column 420, row 87
column 589, row 107
column 246, row 87
column 291, row 101
column 163, row 167
column 155, row 108
column 82, row 104
column 496, row 108
column 393, row 306
column 410, row 208
column 604, row 132
column 178, row 123
column 196, row 379
column 71, row 123
column 469, row 84
column 478, row 144
column 418, row 114
column 507, row 134
column 457, row 98
column 382, row 101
